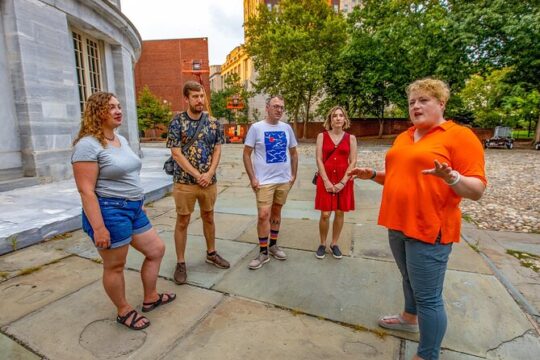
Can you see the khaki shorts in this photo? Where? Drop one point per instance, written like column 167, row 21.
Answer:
column 186, row 195
column 272, row 194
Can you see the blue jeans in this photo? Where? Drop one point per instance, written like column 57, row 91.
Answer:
column 423, row 266
column 123, row 218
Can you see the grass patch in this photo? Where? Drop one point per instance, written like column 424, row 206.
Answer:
column 474, row 247
column 467, row 218
column 13, row 240
column 526, row 259
column 29, row 270
column 4, row 274
column 97, row 260
column 62, row 236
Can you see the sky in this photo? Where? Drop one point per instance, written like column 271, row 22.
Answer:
column 218, row 20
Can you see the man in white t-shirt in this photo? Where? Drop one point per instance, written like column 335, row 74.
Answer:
column 272, row 172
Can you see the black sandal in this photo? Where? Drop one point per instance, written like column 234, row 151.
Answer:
column 152, row 305
column 132, row 324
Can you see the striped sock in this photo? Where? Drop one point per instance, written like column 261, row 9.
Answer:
column 263, row 244
column 273, row 237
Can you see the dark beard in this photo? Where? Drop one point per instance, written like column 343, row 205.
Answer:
column 194, row 110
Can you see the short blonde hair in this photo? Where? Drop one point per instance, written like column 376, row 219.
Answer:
column 434, row 87
column 328, row 121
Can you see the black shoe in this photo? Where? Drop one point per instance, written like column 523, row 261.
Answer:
column 321, row 252
column 336, row 252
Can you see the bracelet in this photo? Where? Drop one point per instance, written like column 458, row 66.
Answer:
column 374, row 174
column 342, row 183
column 456, row 180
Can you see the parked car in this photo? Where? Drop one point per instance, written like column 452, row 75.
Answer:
column 502, row 137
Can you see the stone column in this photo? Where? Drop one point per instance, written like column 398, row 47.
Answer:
column 41, row 63
column 125, row 90
column 10, row 144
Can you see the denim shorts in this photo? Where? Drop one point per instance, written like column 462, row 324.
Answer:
column 122, row 218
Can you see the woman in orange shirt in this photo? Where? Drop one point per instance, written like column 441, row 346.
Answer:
column 428, row 170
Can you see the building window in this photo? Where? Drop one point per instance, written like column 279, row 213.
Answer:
column 88, row 64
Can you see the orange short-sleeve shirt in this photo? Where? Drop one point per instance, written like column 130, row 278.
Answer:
column 421, row 205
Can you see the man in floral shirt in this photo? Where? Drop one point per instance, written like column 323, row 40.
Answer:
column 195, row 174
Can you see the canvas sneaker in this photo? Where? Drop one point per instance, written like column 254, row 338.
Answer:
column 321, row 252
column 336, row 252
column 259, row 261
column 276, row 252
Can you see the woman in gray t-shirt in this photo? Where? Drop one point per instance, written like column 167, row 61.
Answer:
column 106, row 172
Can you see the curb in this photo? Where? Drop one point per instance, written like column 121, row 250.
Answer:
column 72, row 222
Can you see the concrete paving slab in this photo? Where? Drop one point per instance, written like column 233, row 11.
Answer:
column 82, row 325
column 199, row 272
column 412, row 346
column 243, row 329
column 228, row 227
column 24, row 294
column 522, row 348
column 13, row 351
column 472, row 299
column 303, row 235
column 371, row 241
column 12, row 264
column 522, row 278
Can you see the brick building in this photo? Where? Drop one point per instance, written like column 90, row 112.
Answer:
column 162, row 67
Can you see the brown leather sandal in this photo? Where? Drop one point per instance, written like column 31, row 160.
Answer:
column 134, row 320
column 152, row 305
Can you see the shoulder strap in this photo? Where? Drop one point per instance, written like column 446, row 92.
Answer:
column 186, row 147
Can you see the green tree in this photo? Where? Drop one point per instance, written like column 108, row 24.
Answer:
column 233, row 87
column 151, row 110
column 291, row 46
column 484, row 97
column 393, row 43
column 505, row 33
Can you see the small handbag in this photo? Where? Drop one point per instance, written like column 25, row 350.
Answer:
column 169, row 164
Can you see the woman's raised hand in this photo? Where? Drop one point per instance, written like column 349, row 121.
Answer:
column 361, row 173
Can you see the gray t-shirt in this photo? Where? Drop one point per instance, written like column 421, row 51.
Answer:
column 119, row 168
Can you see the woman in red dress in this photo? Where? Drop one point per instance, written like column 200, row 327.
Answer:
column 336, row 155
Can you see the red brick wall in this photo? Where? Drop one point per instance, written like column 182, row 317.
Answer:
column 160, row 68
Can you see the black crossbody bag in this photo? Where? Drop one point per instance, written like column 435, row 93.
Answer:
column 170, row 163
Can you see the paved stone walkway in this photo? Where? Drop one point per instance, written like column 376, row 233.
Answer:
column 53, row 304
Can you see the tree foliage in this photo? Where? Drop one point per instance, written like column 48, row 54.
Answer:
column 291, row 46
column 151, row 110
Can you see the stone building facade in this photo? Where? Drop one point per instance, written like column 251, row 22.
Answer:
column 53, row 55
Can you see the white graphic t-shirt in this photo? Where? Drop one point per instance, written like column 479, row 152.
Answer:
column 270, row 159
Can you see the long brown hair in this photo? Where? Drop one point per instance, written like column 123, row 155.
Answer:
column 328, row 121
column 96, row 111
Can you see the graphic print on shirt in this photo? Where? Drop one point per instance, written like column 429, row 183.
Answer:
column 276, row 146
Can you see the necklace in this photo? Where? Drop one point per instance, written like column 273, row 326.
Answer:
column 114, row 136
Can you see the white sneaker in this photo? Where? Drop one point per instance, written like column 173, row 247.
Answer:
column 259, row 261
column 276, row 252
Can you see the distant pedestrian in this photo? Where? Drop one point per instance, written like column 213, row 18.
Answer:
column 271, row 162
column 195, row 141
column 106, row 172
column 336, row 155
column 429, row 169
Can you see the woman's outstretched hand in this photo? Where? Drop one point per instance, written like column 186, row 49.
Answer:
column 361, row 173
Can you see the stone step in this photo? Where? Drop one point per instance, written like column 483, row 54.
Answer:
column 20, row 182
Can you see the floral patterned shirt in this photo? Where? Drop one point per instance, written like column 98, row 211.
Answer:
column 181, row 131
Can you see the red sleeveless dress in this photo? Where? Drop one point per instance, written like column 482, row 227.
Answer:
column 336, row 167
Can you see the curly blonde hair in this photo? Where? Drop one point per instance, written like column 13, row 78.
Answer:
column 328, row 121
column 434, row 87
column 96, row 111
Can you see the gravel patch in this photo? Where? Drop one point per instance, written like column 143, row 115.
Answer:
column 512, row 199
